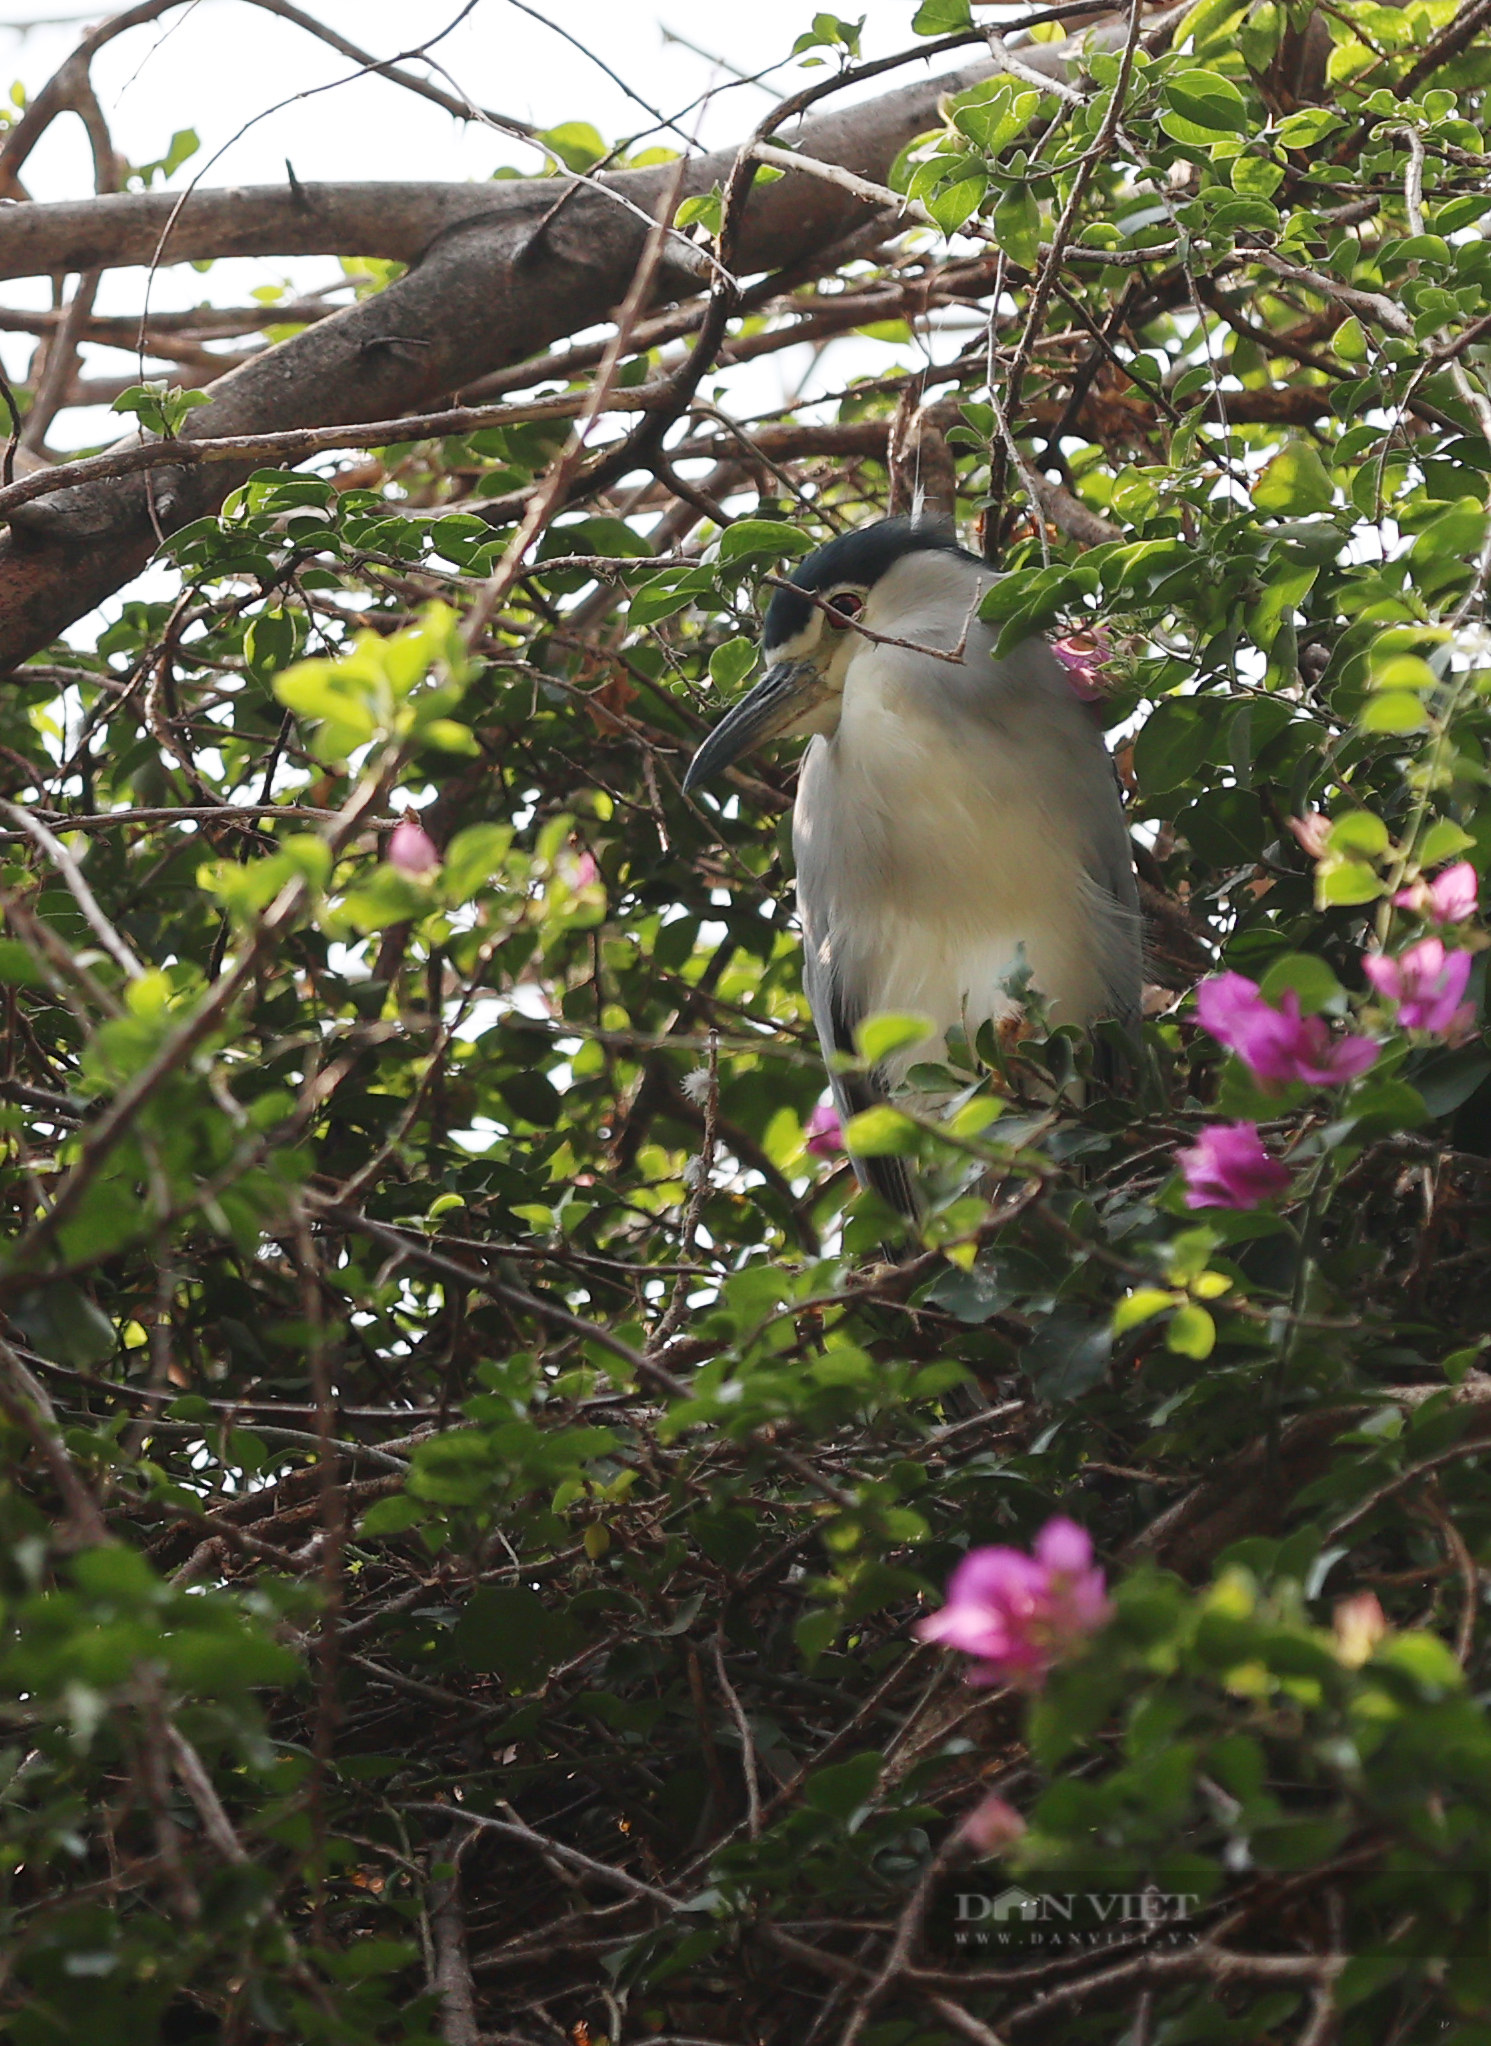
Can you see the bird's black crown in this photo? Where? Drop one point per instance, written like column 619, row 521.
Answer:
column 857, row 560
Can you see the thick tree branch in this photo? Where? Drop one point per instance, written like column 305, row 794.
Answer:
column 492, row 284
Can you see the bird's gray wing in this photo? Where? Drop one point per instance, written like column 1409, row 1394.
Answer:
column 838, row 1019
column 835, row 991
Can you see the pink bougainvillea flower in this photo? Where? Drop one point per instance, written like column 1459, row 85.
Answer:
column 992, row 1826
column 824, row 1132
column 1017, row 1615
column 1312, row 832
column 412, row 850
column 1426, row 982
column 1279, row 1044
column 1449, row 898
column 1085, row 656
column 1228, row 1167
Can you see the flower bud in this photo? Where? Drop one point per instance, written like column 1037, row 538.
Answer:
column 1360, row 1624
column 824, row 1133
column 1312, row 832
column 412, row 850
column 1086, row 657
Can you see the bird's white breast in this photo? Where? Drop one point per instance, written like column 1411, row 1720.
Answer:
column 939, row 854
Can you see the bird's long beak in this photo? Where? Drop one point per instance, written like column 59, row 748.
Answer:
column 786, row 695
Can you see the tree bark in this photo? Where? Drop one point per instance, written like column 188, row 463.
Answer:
column 490, row 284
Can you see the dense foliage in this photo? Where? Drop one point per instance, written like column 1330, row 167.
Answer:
column 470, row 1472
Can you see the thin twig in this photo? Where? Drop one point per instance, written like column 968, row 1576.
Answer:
column 81, row 893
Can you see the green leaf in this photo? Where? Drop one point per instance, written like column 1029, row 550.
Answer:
column 1458, row 531
column 18, row 968
column 814, row 1634
column 880, row 1132
column 1016, row 227
column 1190, row 1253
column 367, row 1958
column 1350, row 340
column 1192, row 1332
column 1442, row 841
column 1448, row 1078
column 1340, row 882
column 1310, row 125
column 184, row 144
column 1069, row 1353
column 449, row 735
column 731, row 663
column 1425, row 1658
column 843, row 1787
column 1295, row 481
column 1306, row 976
column 703, row 209
column 955, row 203
column 1395, row 711
column 1380, row 1107
column 1208, row 21
column 1403, row 671
column 1174, row 742
column 881, row 1037
column 1256, row 176
column 758, row 539
column 941, row 18
column 387, row 897
column 1358, row 831
column 160, row 409
column 1286, row 591
column 1461, row 211
column 576, row 144
column 391, row 1516
column 341, row 705
column 534, row 1097
column 994, row 113
column 1203, row 104
column 472, row 858
column 269, row 643
column 663, row 595
column 1140, row 1306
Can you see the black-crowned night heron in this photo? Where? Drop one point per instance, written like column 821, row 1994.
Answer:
column 948, row 813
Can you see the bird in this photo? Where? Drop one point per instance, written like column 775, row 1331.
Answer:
column 956, row 818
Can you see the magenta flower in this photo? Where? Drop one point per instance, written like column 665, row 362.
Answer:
column 1017, row 1615
column 991, row 1826
column 1426, row 983
column 1449, row 898
column 586, row 871
column 824, row 1132
column 1228, row 1167
column 1278, row 1044
column 412, row 850
column 1085, row 656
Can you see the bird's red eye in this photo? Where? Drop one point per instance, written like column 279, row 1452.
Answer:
column 846, row 604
